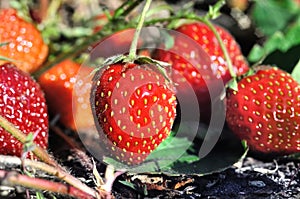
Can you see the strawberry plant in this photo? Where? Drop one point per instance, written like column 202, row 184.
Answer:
column 114, row 110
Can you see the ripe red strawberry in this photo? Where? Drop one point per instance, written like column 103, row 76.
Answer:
column 135, row 107
column 22, row 102
column 207, row 40
column 191, row 67
column 58, row 85
column 265, row 111
column 26, row 45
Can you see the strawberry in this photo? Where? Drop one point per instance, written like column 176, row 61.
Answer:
column 26, row 46
column 134, row 108
column 58, row 84
column 191, row 67
column 207, row 40
column 265, row 111
column 22, row 103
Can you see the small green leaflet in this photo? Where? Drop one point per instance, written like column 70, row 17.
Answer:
column 39, row 195
column 214, row 11
column 168, row 39
column 143, row 189
column 29, row 144
column 296, row 72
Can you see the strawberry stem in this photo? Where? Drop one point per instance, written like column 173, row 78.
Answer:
column 126, row 8
column 133, row 47
column 12, row 178
column 45, row 157
column 225, row 51
column 21, row 137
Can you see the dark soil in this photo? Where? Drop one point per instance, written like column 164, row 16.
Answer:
column 254, row 179
column 250, row 178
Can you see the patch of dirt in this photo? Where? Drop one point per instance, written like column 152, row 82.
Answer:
column 253, row 179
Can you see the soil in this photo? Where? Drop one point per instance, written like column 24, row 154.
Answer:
column 254, row 179
column 249, row 178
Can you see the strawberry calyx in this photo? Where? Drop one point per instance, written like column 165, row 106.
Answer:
column 162, row 67
column 132, row 56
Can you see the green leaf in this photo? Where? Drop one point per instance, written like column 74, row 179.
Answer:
column 282, row 41
column 128, row 184
column 170, row 149
column 214, row 11
column 39, row 195
column 233, row 84
column 163, row 157
column 226, row 152
column 273, row 15
column 168, row 39
column 133, row 186
column 296, row 72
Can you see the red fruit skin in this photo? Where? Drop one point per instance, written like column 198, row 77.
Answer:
column 26, row 46
column 135, row 110
column 58, row 85
column 192, row 69
column 23, row 104
column 208, row 41
column 265, row 112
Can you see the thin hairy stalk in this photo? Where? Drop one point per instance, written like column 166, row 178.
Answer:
column 12, row 178
column 45, row 157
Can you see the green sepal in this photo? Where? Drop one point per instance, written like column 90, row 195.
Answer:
column 214, row 11
column 296, row 72
column 161, row 66
column 232, row 84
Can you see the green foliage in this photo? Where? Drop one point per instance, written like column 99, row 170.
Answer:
column 225, row 153
column 39, row 195
column 273, row 15
column 133, row 186
column 279, row 21
column 173, row 148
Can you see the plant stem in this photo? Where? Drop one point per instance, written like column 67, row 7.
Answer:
column 13, row 178
column 21, row 137
column 105, row 31
column 126, row 8
column 225, row 51
column 45, row 157
column 133, row 47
